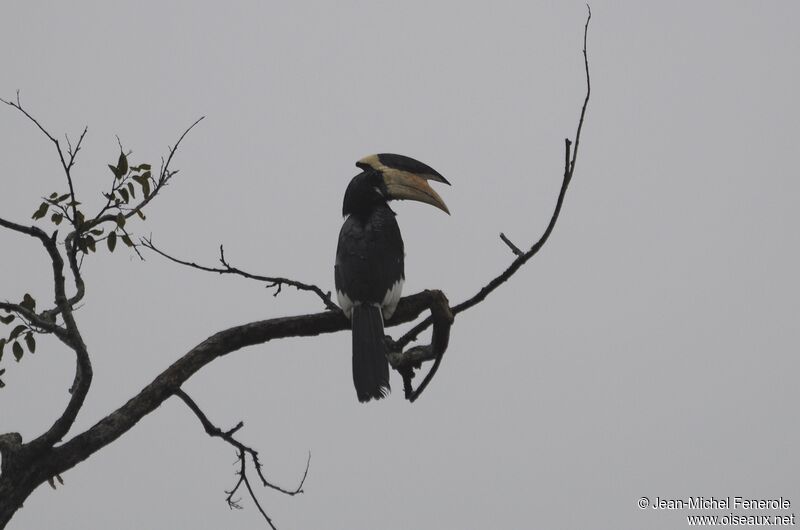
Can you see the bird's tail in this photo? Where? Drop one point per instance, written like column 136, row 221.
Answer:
column 370, row 366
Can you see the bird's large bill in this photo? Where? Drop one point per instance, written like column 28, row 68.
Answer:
column 405, row 185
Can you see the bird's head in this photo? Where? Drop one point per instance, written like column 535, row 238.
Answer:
column 387, row 177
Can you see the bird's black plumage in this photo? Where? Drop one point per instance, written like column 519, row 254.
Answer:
column 369, row 271
column 369, row 264
column 369, row 258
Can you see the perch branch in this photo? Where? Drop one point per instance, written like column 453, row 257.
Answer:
column 406, row 361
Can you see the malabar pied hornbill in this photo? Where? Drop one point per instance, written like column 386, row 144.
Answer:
column 369, row 258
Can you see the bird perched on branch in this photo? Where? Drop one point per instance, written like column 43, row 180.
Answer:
column 369, row 258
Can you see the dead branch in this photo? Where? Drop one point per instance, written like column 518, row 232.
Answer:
column 522, row 257
column 242, row 451
column 271, row 281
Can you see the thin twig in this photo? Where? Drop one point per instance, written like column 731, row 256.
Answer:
column 43, row 322
column 510, row 245
column 66, row 165
column 588, row 92
column 569, row 167
column 271, row 281
column 164, row 176
column 253, row 495
column 242, row 450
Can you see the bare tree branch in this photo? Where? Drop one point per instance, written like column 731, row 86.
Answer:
column 588, row 92
column 522, row 258
column 242, row 451
column 33, row 231
column 510, row 245
column 65, row 164
column 216, row 432
column 406, row 361
column 271, row 281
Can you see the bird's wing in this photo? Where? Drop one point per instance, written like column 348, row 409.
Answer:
column 369, row 259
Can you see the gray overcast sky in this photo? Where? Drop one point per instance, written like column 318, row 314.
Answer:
column 649, row 350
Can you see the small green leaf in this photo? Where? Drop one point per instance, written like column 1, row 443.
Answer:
column 41, row 212
column 79, row 218
column 112, row 241
column 54, row 195
column 57, row 218
column 127, row 240
column 124, row 194
column 122, row 164
column 90, row 243
column 8, row 319
column 17, row 331
column 30, row 341
column 57, row 200
column 16, row 349
column 140, row 214
column 131, row 190
column 146, row 188
column 121, row 220
column 144, row 166
column 97, row 231
column 28, row 302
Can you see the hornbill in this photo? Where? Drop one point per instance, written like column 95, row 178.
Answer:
column 369, row 258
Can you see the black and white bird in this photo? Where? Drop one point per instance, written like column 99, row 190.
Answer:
column 369, row 258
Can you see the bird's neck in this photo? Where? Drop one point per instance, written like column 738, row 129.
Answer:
column 376, row 210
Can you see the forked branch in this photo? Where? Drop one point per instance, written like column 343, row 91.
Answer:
column 570, row 157
column 242, row 452
column 275, row 282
